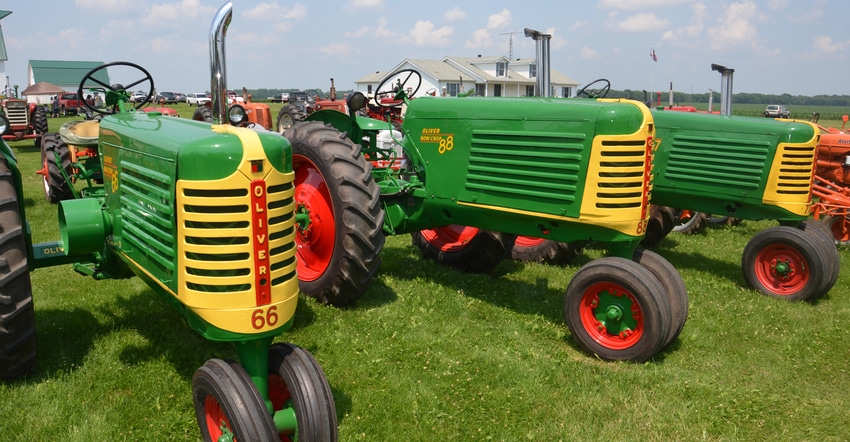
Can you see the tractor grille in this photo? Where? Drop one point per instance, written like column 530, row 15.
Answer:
column 622, row 174
column 722, row 162
column 794, row 173
column 218, row 249
column 527, row 166
column 16, row 113
column 148, row 217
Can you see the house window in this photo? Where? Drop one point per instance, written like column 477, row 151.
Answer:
column 481, row 90
column 451, row 89
column 529, row 91
column 566, row 92
column 532, row 70
column 501, row 69
column 497, row 90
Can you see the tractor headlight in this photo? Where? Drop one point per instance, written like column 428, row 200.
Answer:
column 236, row 115
column 4, row 124
column 356, row 101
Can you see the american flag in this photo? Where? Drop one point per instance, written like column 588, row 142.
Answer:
column 652, row 55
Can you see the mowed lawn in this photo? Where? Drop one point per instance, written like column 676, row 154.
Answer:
column 429, row 353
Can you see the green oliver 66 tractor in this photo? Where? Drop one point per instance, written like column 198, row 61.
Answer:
column 205, row 215
column 565, row 170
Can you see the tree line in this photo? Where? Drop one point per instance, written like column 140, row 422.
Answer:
column 741, row 98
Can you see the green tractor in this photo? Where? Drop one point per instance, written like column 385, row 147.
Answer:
column 563, row 170
column 751, row 168
column 205, row 215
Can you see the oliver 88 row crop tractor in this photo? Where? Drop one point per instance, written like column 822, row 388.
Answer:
column 205, row 215
column 566, row 170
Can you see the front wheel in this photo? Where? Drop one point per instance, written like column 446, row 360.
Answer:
column 228, row 405
column 674, row 288
column 616, row 309
column 56, row 165
column 289, row 115
column 783, row 262
column 298, row 384
column 338, row 214
column 468, row 249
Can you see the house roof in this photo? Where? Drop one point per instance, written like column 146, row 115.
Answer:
column 66, row 73
column 3, row 55
column 466, row 69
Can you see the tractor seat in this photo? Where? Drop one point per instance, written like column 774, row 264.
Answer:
column 80, row 133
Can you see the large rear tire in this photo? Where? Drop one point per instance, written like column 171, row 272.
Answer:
column 616, row 309
column 531, row 249
column 689, row 222
column 660, row 224
column 39, row 123
column 468, row 249
column 783, row 262
column 339, row 217
column 297, row 381
column 203, row 113
column 17, row 317
column 227, row 403
column 56, row 188
column 840, row 228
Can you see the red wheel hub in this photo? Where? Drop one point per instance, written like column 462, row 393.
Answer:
column 782, row 269
column 450, row 238
column 217, row 423
column 611, row 315
column 315, row 235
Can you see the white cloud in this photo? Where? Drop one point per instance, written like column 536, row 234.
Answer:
column 499, row 20
column 361, row 4
column 736, row 27
column 685, row 36
column 643, row 22
column 579, row 25
column 177, row 13
column 111, row 7
column 826, row 45
column 274, row 12
column 424, row 34
column 588, row 53
column 639, row 4
column 380, row 31
column 455, row 14
column 337, row 49
column 481, row 38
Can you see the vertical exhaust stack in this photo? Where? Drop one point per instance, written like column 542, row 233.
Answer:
column 543, row 87
column 218, row 66
column 725, row 88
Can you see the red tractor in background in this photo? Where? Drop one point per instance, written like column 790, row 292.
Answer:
column 241, row 113
column 832, row 180
column 297, row 110
column 20, row 120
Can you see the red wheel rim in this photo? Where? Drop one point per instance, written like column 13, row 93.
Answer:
column 215, row 417
column 280, row 397
column 450, row 238
column 611, row 315
column 528, row 241
column 314, row 238
column 781, row 269
column 840, row 228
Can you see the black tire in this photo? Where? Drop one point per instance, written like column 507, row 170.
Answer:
column 288, row 116
column 783, row 262
column 478, row 251
column 690, row 223
column 294, row 375
column 636, row 337
column 56, row 188
column 840, row 228
column 821, row 233
column 222, row 390
column 17, row 317
column 338, row 257
column 660, row 224
column 203, row 113
column 674, row 288
column 39, row 123
column 528, row 249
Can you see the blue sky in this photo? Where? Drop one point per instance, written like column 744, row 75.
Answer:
column 798, row 47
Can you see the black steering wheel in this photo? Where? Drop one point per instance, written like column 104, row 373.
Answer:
column 595, row 93
column 402, row 82
column 115, row 92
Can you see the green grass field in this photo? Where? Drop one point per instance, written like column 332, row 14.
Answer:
column 429, row 353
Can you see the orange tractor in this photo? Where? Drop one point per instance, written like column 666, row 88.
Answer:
column 832, row 181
